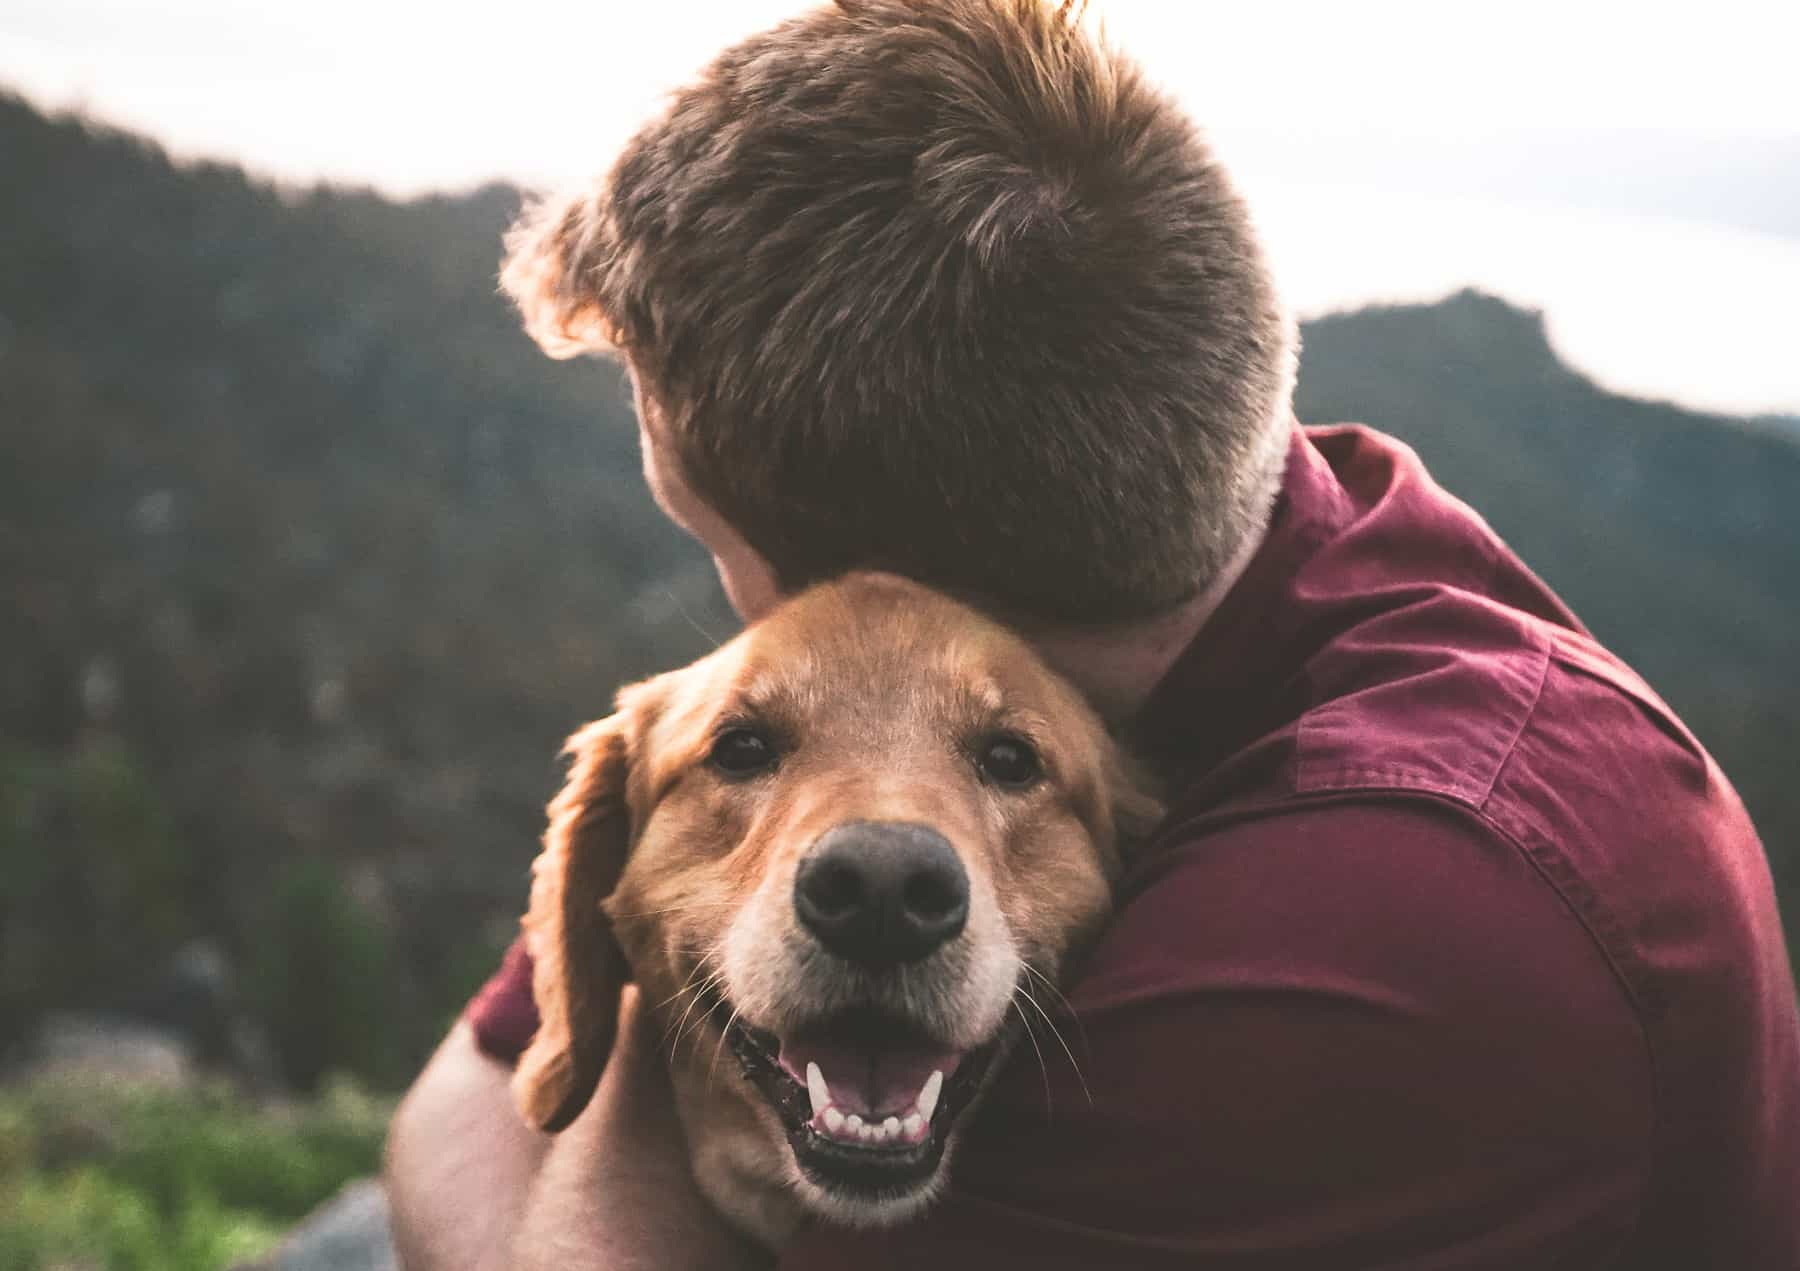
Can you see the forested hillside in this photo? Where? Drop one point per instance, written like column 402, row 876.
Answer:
column 311, row 560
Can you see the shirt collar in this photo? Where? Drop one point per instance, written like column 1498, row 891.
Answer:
column 1229, row 680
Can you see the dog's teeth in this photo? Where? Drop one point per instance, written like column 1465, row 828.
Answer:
column 816, row 1087
column 854, row 1128
column 929, row 1092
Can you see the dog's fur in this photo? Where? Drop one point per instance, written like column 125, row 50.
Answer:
column 879, row 695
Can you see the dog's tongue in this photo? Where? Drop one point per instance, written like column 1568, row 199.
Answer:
column 868, row 1074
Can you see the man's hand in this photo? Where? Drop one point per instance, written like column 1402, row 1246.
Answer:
column 471, row 1186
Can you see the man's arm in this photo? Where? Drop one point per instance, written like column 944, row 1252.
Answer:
column 1352, row 1033
column 472, row 1188
column 460, row 1161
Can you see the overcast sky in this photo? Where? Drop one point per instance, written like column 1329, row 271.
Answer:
column 1632, row 169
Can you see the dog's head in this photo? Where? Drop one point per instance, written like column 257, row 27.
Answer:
column 851, row 849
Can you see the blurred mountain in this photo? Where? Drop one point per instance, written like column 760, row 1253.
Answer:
column 312, row 560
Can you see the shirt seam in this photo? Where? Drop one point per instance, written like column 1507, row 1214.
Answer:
column 1585, row 905
column 1306, row 774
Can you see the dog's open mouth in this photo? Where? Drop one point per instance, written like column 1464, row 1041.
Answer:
column 867, row 1099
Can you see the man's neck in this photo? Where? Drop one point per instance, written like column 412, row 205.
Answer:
column 1119, row 665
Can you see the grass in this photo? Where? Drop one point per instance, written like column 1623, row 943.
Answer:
column 103, row 1177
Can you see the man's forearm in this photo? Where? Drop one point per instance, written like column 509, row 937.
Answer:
column 597, row 1203
column 472, row 1188
column 460, row 1163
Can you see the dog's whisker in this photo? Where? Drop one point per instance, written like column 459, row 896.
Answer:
column 1060, row 1040
column 692, row 621
column 1050, row 983
column 718, row 1049
column 697, row 995
column 672, row 1032
column 1065, row 1007
column 688, row 986
column 693, row 1029
column 700, row 906
column 1043, row 1070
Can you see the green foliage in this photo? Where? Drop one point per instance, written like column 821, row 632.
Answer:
column 87, row 1219
column 322, row 980
column 118, row 868
column 141, row 1180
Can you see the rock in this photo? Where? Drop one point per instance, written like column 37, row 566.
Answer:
column 92, row 1044
column 349, row 1232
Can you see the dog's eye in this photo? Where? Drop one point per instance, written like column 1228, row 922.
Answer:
column 742, row 752
column 1010, row 762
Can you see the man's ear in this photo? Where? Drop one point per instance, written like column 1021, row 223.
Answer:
column 1137, row 806
column 557, row 255
column 578, row 969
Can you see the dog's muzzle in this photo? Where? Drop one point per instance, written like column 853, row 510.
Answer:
column 866, row 1093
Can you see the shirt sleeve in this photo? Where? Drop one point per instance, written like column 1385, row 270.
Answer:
column 1353, row 1033
column 504, row 1013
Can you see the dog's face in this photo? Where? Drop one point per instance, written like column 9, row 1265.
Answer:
column 848, row 853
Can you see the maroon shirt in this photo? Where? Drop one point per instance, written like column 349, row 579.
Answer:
column 1456, row 951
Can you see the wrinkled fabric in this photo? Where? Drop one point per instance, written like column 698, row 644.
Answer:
column 1455, row 951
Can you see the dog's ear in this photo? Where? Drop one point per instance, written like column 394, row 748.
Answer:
column 558, row 257
column 578, row 969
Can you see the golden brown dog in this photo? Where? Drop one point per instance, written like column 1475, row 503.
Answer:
column 845, row 848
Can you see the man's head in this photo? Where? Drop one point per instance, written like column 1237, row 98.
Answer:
column 943, row 287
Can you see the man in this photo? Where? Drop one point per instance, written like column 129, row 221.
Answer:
column 1456, row 950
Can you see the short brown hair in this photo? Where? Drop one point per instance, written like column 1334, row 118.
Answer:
column 944, row 287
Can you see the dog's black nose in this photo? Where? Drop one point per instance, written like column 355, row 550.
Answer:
column 882, row 892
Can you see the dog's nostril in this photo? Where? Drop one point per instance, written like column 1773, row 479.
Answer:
column 931, row 896
column 882, row 893
column 834, row 890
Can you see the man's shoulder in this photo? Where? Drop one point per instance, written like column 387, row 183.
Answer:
column 1586, row 902
column 1427, row 696
column 1556, row 749
column 1543, row 744
column 1457, row 697
column 1383, row 639
column 1397, row 646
